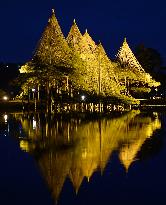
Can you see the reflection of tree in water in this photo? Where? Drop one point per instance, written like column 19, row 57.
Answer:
column 76, row 148
column 135, row 137
column 152, row 146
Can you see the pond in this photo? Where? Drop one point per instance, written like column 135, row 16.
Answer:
column 83, row 158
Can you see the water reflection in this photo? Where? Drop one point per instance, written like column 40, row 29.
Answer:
column 5, row 118
column 76, row 147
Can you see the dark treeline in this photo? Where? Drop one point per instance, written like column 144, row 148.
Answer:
column 8, row 73
column 153, row 62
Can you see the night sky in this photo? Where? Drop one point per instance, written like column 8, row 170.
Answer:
column 22, row 23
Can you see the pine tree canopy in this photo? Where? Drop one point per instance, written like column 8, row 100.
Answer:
column 127, row 58
column 74, row 37
column 109, row 83
column 52, row 48
column 131, row 67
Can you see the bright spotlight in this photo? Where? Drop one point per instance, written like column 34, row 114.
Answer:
column 5, row 98
column 34, row 123
column 83, row 97
column 5, row 117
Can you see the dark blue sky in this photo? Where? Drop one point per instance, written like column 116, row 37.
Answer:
column 23, row 21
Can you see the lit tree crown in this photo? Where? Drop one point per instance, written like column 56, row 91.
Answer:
column 102, row 56
column 52, row 47
column 101, row 49
column 127, row 59
column 89, row 41
column 87, row 47
column 109, row 82
column 74, row 37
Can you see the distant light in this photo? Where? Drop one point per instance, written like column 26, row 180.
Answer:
column 33, row 90
column 5, row 98
column 83, row 97
column 7, row 66
column 5, row 117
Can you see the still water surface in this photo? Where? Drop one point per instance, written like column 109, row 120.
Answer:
column 85, row 159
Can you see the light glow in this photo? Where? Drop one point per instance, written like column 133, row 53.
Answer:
column 5, row 98
column 5, row 117
column 83, row 97
column 34, row 124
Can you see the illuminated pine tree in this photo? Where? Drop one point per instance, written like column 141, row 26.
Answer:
column 109, row 84
column 85, row 76
column 100, row 77
column 52, row 48
column 77, row 76
column 88, row 54
column 87, row 44
column 127, row 58
column 132, row 68
column 53, row 56
column 74, row 37
column 96, row 63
